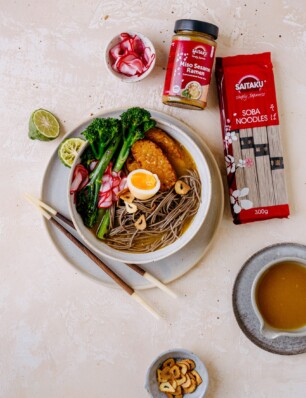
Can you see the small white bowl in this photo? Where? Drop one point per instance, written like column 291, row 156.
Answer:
column 121, row 76
column 265, row 329
column 152, row 385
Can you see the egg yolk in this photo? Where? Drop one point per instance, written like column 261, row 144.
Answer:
column 143, row 181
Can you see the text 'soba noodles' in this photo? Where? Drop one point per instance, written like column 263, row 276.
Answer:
column 167, row 215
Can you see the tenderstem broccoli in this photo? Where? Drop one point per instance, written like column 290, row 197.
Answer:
column 87, row 198
column 100, row 133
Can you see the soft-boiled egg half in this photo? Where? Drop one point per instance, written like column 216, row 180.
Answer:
column 143, row 184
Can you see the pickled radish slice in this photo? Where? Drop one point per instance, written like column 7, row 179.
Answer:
column 80, row 178
column 112, row 183
column 130, row 56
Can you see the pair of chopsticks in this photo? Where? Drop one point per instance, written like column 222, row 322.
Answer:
column 49, row 213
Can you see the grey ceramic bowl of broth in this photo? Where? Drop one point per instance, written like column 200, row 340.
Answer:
column 267, row 329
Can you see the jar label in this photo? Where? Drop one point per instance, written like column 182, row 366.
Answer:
column 189, row 69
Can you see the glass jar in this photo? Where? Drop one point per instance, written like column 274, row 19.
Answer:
column 190, row 63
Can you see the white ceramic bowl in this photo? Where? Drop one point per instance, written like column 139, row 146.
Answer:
column 152, row 385
column 265, row 329
column 122, row 77
column 141, row 258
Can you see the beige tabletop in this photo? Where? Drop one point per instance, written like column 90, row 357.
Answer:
column 63, row 335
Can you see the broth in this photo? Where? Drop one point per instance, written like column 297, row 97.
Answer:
column 187, row 163
column 184, row 164
column 281, row 295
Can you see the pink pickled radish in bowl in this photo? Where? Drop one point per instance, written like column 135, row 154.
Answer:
column 130, row 56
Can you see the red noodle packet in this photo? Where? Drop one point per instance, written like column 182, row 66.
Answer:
column 252, row 146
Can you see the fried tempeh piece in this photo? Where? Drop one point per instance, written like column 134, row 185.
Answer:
column 169, row 146
column 150, row 157
column 131, row 164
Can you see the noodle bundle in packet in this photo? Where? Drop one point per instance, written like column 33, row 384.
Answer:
column 251, row 136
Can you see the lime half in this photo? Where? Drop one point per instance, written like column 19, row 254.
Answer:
column 43, row 126
column 69, row 149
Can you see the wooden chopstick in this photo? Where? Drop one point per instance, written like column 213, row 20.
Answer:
column 134, row 267
column 49, row 209
column 128, row 289
column 152, row 279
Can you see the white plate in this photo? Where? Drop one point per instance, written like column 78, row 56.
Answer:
column 54, row 192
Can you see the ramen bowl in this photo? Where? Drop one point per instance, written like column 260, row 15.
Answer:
column 100, row 247
column 266, row 329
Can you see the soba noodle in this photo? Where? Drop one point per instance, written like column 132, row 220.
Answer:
column 167, row 214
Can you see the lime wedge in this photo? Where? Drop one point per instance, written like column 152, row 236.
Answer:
column 43, row 126
column 69, row 149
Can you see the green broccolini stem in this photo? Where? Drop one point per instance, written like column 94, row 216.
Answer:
column 102, row 165
column 124, row 153
column 88, row 196
column 104, row 224
column 94, row 151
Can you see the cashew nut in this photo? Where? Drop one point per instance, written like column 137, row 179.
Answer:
column 141, row 224
column 166, row 387
column 130, row 207
column 126, row 195
column 181, row 187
